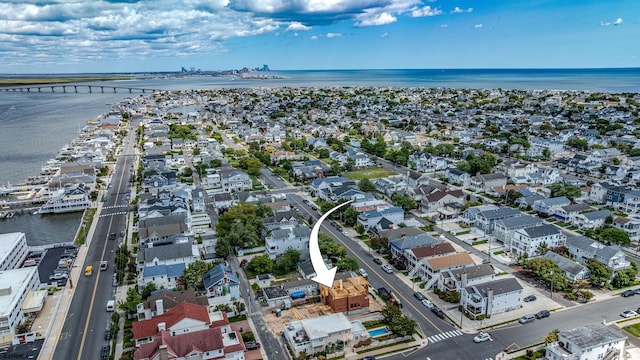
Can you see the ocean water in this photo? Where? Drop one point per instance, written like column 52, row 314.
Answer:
column 34, row 126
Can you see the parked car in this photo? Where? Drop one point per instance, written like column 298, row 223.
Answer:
column 377, row 261
column 628, row 314
column 638, row 291
column 103, row 265
column 112, row 236
column 527, row 319
column 427, row 303
column 387, row 268
column 107, row 334
column 252, row 345
column 530, row 298
column 482, row 337
column 370, row 357
column 363, row 272
column 628, row 293
column 439, row 313
column 542, row 314
column 418, row 295
column 105, row 351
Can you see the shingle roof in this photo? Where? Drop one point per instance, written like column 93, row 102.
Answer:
column 166, row 252
column 173, row 270
column 601, row 214
column 414, row 241
column 499, row 213
column 185, row 310
column 443, row 262
column 541, row 230
column 432, row 250
column 473, row 272
column 519, row 221
column 564, row 264
column 218, row 273
column 501, row 286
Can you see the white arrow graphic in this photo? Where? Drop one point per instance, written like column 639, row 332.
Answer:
column 324, row 275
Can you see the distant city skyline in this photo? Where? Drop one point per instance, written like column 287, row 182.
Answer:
column 66, row 36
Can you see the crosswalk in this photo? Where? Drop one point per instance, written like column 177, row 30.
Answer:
column 114, row 206
column 444, row 335
column 115, row 213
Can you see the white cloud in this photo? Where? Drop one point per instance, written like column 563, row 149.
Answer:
column 314, row 37
column 296, row 26
column 375, row 19
column 425, row 11
column 333, row 35
column 478, row 26
column 458, row 10
column 618, row 21
column 384, row 35
column 444, row 26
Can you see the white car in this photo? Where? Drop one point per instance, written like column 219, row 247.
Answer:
column 387, row 268
column 628, row 314
column 482, row 337
column 427, row 303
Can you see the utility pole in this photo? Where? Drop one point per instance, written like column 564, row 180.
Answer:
column 551, row 294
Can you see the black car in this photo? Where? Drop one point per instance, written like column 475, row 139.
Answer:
column 418, row 295
column 377, row 261
column 107, row 334
column 530, row 298
column 252, row 345
column 439, row 313
column 628, row 293
column 105, row 351
column 542, row 314
column 112, row 236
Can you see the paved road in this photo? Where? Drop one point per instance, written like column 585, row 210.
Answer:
column 82, row 335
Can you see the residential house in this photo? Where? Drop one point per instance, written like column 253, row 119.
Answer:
column 224, row 201
column 505, row 228
column 490, row 298
column 415, row 256
column 568, row 213
column 425, row 162
column 485, row 182
column 548, row 206
column 592, row 220
column 369, row 219
column 390, row 185
column 234, row 180
column 222, row 284
column 485, row 220
column 570, row 269
column 583, row 248
column 630, row 225
column 403, row 239
column 631, row 203
column 164, row 300
column 213, row 343
column 349, row 296
column 181, row 319
column 164, row 264
column 455, row 176
column 525, row 202
column 160, row 229
column 281, row 240
column 598, row 193
column 197, row 199
column 431, row 203
column 313, row 335
column 590, row 342
column 433, row 266
column 454, row 280
column 529, row 241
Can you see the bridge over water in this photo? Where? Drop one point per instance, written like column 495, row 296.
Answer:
column 64, row 88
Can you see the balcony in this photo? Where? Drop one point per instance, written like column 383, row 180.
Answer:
column 560, row 352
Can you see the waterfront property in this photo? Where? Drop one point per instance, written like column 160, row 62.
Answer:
column 13, row 250
column 72, row 198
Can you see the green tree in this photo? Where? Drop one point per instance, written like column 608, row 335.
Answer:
column 287, row 261
column 130, row 304
column 551, row 337
column 564, row 189
column 241, row 225
column 398, row 323
column 350, row 217
column 194, row 273
column 330, row 248
column 251, row 165
column 260, row 264
column 347, row 264
column 365, row 185
column 599, row 274
column 406, row 202
column 148, row 289
column 580, row 144
column 615, row 236
column 223, row 248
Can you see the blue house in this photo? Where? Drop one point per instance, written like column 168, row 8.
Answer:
column 222, row 284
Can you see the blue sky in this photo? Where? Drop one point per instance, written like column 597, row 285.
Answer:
column 67, row 36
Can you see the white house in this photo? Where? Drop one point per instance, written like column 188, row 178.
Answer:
column 492, row 297
column 528, row 240
column 590, row 342
column 312, row 335
column 13, row 250
column 281, row 240
column 592, row 220
column 454, row 280
column 15, row 285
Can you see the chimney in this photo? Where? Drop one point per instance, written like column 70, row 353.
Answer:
column 162, row 351
column 463, row 280
column 162, row 326
column 159, row 307
column 489, row 302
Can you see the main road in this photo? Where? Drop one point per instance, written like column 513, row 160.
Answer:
column 83, row 332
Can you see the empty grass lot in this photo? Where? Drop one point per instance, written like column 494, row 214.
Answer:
column 369, row 173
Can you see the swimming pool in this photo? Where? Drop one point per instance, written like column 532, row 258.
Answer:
column 378, row 332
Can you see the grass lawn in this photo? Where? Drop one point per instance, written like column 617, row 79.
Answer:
column 633, row 329
column 369, row 173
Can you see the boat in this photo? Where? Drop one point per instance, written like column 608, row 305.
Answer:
column 72, row 198
column 93, row 121
column 9, row 215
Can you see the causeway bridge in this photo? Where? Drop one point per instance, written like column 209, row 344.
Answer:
column 74, row 88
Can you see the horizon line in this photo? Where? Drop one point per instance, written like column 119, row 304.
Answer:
column 346, row 69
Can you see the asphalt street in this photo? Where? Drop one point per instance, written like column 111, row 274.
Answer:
column 87, row 319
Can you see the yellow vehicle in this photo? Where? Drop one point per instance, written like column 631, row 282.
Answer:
column 88, row 271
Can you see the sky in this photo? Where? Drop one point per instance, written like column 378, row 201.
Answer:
column 93, row 36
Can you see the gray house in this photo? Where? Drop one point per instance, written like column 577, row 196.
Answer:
column 570, row 269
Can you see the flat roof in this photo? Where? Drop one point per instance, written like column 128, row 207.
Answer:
column 322, row 326
column 8, row 241
column 16, row 281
